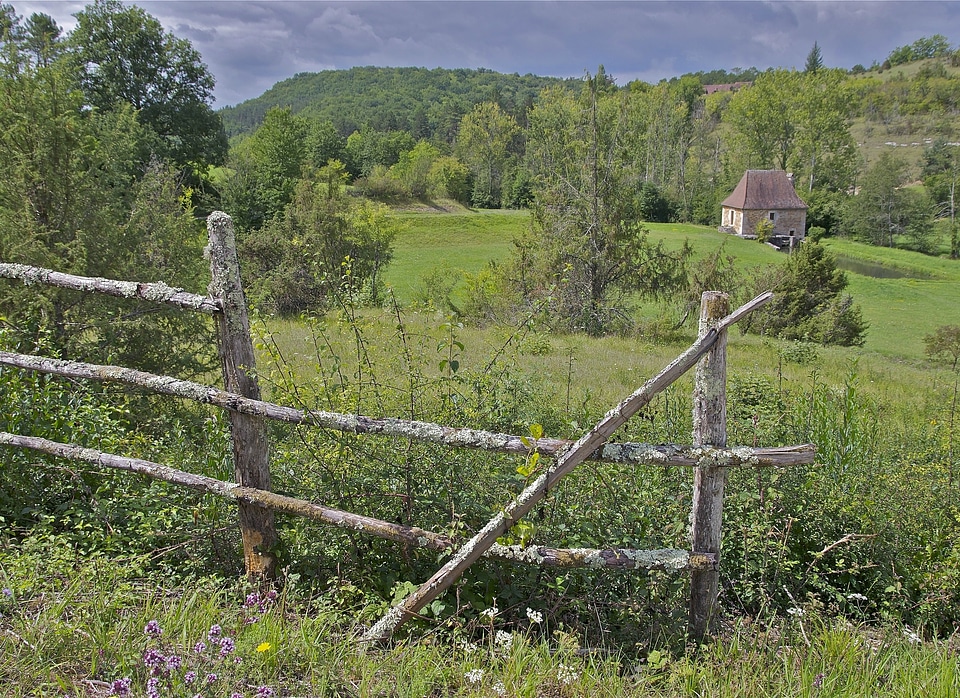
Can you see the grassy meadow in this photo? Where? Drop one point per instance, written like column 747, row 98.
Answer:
column 841, row 579
column 899, row 311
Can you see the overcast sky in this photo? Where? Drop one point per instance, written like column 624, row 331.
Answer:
column 250, row 45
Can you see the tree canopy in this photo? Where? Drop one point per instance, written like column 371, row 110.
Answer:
column 87, row 191
column 124, row 56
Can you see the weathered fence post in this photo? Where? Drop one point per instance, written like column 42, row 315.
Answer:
column 709, row 429
column 248, row 433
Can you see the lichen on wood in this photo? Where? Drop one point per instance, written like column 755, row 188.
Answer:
column 616, row 559
column 248, row 432
column 636, row 453
column 157, row 292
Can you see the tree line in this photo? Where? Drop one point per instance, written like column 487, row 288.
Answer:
column 112, row 153
column 688, row 147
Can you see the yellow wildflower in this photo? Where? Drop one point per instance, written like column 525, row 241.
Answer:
column 263, row 647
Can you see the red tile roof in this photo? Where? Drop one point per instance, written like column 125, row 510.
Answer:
column 764, row 189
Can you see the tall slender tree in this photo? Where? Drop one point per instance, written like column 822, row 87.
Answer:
column 588, row 238
column 814, row 60
column 484, row 143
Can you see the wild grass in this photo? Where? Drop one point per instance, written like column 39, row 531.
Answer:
column 73, row 624
column 86, row 628
column 457, row 241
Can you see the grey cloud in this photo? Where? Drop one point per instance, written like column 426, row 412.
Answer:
column 251, row 45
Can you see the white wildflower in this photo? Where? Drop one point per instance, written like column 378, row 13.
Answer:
column 856, row 597
column 536, row 617
column 503, row 639
column 499, row 688
column 474, row 675
column 567, row 675
column 490, row 613
column 911, row 635
column 795, row 611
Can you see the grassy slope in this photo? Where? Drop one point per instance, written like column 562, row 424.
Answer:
column 899, row 311
column 464, row 241
column 912, row 132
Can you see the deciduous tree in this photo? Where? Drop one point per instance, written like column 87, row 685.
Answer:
column 124, row 56
column 483, row 143
column 884, row 208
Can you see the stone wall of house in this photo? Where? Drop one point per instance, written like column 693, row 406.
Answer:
column 795, row 220
column 732, row 218
column 786, row 221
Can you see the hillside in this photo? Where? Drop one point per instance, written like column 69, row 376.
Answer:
column 418, row 100
column 906, row 107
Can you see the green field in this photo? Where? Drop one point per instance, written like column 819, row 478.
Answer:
column 463, row 241
column 807, row 611
column 900, row 311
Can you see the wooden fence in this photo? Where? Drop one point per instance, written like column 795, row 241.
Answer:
column 708, row 454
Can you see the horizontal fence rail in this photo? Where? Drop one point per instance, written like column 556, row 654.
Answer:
column 623, row 559
column 636, row 453
column 157, row 292
column 256, row 503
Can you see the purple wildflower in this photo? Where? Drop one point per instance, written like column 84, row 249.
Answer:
column 212, row 678
column 120, row 687
column 214, row 633
column 153, row 628
column 818, row 680
column 153, row 658
column 252, row 599
column 7, row 591
column 250, row 621
column 235, row 695
column 200, row 647
column 190, row 677
column 227, row 645
column 174, row 662
column 153, row 688
column 264, row 692
column 267, row 601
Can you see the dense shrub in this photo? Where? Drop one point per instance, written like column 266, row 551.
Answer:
column 809, row 302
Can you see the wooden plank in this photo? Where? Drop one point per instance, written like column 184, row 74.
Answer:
column 426, row 432
column 248, row 432
column 621, row 559
column 709, row 429
column 157, row 292
column 534, row 493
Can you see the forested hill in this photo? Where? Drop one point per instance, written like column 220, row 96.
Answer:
column 420, row 101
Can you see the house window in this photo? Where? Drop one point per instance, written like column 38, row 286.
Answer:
column 773, row 215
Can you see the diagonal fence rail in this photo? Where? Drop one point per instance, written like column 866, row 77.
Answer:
column 256, row 504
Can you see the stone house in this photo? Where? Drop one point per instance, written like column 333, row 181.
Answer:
column 765, row 195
